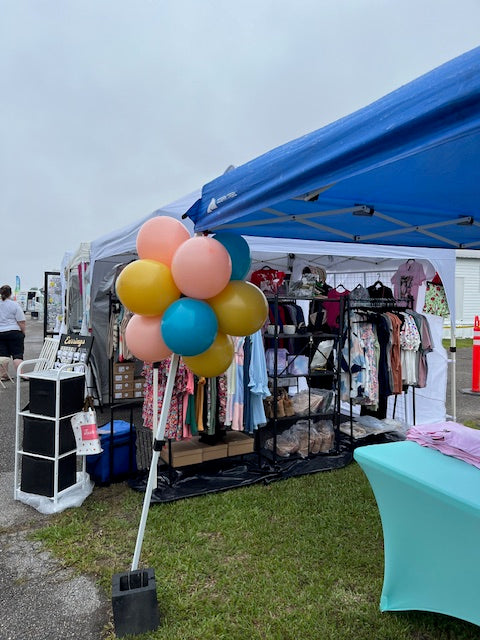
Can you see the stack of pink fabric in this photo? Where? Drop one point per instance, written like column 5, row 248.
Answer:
column 451, row 438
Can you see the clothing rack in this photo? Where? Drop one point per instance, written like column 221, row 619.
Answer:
column 376, row 305
column 388, row 304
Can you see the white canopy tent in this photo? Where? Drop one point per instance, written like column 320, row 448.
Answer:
column 109, row 252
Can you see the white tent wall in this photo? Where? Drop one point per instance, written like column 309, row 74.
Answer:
column 427, row 404
column 74, row 269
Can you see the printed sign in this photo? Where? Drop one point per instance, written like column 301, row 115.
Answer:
column 74, row 349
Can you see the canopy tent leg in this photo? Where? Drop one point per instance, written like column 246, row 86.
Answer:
column 453, row 370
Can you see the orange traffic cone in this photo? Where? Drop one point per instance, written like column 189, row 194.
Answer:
column 476, row 356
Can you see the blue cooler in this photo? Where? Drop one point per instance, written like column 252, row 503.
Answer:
column 117, row 461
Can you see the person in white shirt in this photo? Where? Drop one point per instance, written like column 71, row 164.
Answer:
column 12, row 329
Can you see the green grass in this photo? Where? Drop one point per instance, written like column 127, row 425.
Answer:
column 461, row 343
column 300, row 558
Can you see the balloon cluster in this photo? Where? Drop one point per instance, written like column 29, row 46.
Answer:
column 189, row 296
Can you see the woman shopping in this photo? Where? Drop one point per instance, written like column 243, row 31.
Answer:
column 12, row 330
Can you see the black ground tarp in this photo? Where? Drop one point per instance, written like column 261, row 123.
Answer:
column 232, row 473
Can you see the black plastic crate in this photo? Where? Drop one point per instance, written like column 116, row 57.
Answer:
column 38, row 474
column 43, row 394
column 39, row 436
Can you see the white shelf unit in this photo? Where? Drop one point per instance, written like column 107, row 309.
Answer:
column 57, row 377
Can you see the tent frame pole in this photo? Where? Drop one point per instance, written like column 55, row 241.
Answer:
column 453, row 369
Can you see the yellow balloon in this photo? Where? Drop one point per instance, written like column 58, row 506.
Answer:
column 146, row 287
column 241, row 308
column 215, row 360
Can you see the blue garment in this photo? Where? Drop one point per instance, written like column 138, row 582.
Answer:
column 258, row 380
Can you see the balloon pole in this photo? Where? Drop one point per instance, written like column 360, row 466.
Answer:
column 155, row 409
column 157, row 446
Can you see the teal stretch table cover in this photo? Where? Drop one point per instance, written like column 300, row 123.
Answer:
column 429, row 505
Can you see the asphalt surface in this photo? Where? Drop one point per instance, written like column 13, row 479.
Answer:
column 39, row 598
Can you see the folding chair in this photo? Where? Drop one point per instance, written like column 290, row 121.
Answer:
column 48, row 354
column 4, row 362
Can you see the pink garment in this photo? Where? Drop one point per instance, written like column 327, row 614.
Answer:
column 190, row 390
column 406, row 280
column 451, row 438
column 238, row 396
column 332, row 306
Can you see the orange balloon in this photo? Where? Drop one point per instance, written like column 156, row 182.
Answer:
column 144, row 338
column 215, row 360
column 241, row 308
column 146, row 287
column 160, row 237
column 201, row 267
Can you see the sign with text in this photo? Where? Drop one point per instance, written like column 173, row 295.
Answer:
column 74, row 349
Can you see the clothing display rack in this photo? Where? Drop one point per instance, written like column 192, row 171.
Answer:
column 373, row 306
column 321, row 395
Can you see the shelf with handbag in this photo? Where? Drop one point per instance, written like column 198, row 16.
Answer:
column 45, row 445
column 303, row 409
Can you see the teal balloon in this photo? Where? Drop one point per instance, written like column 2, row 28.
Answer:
column 239, row 252
column 189, row 327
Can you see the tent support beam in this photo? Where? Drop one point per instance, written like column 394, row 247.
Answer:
column 453, row 369
column 423, row 229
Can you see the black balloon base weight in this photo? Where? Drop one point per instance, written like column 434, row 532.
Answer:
column 134, row 602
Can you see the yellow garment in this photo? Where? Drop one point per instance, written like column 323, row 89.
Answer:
column 199, row 398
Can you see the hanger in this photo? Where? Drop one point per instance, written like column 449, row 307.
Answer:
column 337, row 288
column 377, row 284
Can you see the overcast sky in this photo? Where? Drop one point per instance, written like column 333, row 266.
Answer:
column 112, row 108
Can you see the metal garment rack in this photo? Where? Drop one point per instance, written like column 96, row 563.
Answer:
column 308, row 350
column 375, row 305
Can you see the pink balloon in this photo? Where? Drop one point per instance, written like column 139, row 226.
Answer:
column 144, row 338
column 201, row 267
column 160, row 237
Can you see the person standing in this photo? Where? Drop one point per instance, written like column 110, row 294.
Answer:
column 12, row 329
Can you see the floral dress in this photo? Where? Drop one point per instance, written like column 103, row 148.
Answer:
column 174, row 429
column 436, row 300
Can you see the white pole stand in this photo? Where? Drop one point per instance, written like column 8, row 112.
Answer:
column 134, row 595
column 157, row 446
column 155, row 412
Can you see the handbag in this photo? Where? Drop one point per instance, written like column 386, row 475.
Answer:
column 84, row 425
column 321, row 355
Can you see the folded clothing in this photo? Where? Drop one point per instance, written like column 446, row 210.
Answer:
column 452, row 438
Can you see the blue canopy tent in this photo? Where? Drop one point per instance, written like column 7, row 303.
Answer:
column 403, row 171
